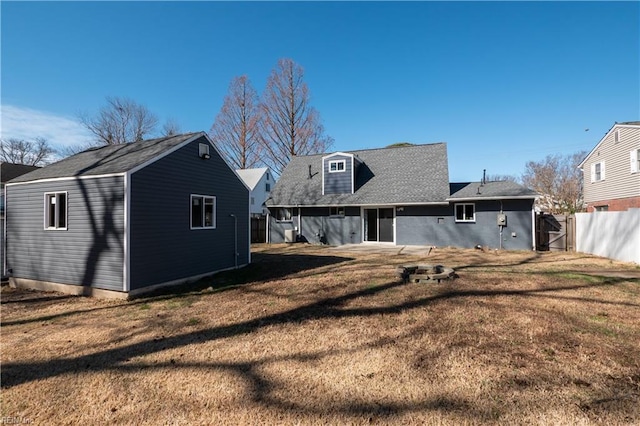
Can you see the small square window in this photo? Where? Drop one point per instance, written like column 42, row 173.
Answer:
column 336, row 211
column 203, row 212
column 336, row 166
column 283, row 214
column 465, row 212
column 55, row 217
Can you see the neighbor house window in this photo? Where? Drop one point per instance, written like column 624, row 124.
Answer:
column 465, row 212
column 267, row 187
column 253, row 201
column 597, row 172
column 337, row 166
column 283, row 214
column 635, row 161
column 55, row 210
column 601, row 208
column 203, row 212
column 336, row 211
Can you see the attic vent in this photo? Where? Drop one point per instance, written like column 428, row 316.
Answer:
column 616, row 136
column 203, row 151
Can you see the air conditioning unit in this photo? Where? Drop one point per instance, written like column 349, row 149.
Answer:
column 290, row 235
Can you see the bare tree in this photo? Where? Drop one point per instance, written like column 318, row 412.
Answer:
column 31, row 153
column 120, row 121
column 235, row 129
column 559, row 182
column 289, row 124
column 170, row 127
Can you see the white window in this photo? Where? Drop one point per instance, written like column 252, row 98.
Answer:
column 55, row 210
column 283, row 214
column 597, row 172
column 465, row 212
column 337, row 166
column 336, row 211
column 635, row 160
column 203, row 212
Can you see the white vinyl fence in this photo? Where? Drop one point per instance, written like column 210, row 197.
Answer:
column 615, row 235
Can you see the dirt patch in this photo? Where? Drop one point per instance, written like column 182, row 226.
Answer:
column 312, row 335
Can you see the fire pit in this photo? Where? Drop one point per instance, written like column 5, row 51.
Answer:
column 424, row 273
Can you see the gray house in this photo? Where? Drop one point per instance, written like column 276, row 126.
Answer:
column 396, row 195
column 121, row 220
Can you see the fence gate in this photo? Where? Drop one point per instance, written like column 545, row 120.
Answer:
column 259, row 229
column 555, row 232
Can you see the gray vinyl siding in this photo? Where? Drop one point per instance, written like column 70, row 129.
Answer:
column 336, row 230
column 338, row 182
column 619, row 182
column 425, row 225
column 89, row 253
column 163, row 247
column 277, row 228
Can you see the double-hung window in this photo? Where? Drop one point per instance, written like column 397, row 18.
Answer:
column 337, row 166
column 597, row 171
column 55, row 211
column 465, row 212
column 203, row 212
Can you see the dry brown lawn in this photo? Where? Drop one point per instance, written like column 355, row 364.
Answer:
column 313, row 335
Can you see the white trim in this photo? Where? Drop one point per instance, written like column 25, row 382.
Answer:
column 58, row 179
column 126, row 284
column 463, row 220
column 215, row 208
column 533, row 227
column 344, row 154
column 46, row 227
column 519, row 197
column 337, row 162
column 4, row 237
column 435, row 203
column 353, row 174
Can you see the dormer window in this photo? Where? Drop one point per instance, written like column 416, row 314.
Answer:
column 336, row 166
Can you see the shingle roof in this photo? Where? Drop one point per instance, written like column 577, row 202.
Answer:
column 493, row 190
column 10, row 171
column 251, row 177
column 398, row 175
column 107, row 159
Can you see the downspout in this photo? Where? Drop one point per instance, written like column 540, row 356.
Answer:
column 235, row 239
column 501, row 212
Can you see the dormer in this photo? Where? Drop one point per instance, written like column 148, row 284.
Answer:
column 339, row 173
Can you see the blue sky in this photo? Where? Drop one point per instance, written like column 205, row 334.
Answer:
column 501, row 82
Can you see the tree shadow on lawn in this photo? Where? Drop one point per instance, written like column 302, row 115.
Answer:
column 264, row 267
column 16, row 373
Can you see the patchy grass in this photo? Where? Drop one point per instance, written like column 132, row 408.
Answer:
column 312, row 335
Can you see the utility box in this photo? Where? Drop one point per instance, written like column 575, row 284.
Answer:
column 502, row 219
column 290, row 235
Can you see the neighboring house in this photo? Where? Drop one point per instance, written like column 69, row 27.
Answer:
column 8, row 171
column 121, row 220
column 397, row 195
column 612, row 170
column 259, row 181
